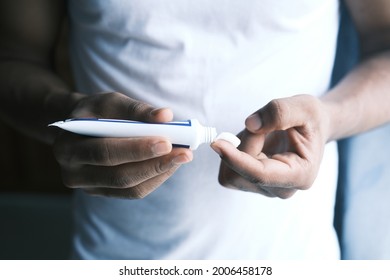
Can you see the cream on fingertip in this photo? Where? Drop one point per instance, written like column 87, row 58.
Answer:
column 229, row 137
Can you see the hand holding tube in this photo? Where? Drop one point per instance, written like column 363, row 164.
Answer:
column 118, row 167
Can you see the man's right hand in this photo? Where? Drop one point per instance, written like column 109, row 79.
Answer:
column 117, row 167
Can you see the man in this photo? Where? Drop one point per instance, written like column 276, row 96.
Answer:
column 218, row 62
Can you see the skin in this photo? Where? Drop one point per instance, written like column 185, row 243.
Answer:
column 117, row 167
column 282, row 143
column 34, row 95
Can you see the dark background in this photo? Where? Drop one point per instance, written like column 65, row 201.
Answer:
column 35, row 212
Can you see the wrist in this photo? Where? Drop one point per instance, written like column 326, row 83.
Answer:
column 330, row 110
column 343, row 116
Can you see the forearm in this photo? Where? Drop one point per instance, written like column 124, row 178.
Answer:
column 33, row 96
column 361, row 100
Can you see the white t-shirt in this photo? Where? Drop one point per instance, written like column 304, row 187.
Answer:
column 217, row 61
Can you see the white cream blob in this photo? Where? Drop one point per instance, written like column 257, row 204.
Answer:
column 229, row 137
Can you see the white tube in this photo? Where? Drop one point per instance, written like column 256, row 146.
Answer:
column 189, row 134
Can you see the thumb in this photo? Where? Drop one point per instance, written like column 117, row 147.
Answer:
column 158, row 115
column 141, row 111
column 114, row 105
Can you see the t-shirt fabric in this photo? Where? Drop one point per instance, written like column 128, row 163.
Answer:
column 217, row 61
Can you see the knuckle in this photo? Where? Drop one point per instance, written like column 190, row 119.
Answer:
column 277, row 110
column 257, row 181
column 222, row 178
column 223, row 182
column 107, row 97
column 139, row 149
column 97, row 151
column 104, row 154
column 228, row 178
column 137, row 193
column 137, row 109
column 60, row 157
column 118, row 151
column 61, row 152
column 121, row 180
column 129, row 176
column 308, row 176
column 161, row 167
column 285, row 193
column 97, row 103
column 68, row 180
column 123, row 177
column 69, row 184
column 304, row 187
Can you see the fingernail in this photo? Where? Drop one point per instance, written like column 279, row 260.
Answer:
column 181, row 159
column 161, row 115
column 155, row 112
column 253, row 122
column 161, row 148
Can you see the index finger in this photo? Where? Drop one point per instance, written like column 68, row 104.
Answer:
column 73, row 149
